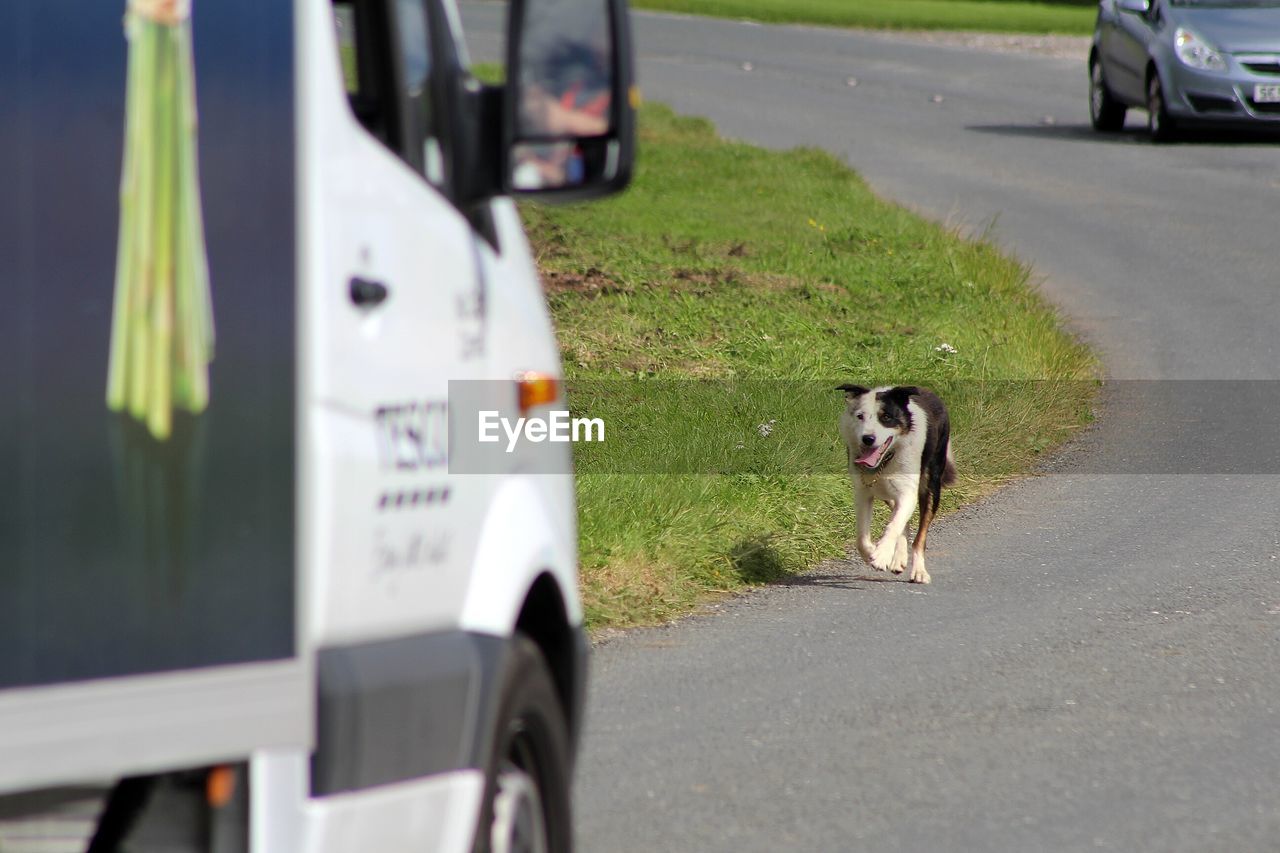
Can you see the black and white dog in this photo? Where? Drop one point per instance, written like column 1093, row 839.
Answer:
column 899, row 445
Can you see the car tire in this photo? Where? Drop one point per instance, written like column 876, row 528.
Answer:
column 1106, row 113
column 1161, row 125
column 526, row 805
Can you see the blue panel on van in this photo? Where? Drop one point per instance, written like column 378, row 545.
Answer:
column 133, row 542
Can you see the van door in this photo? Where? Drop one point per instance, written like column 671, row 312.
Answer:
column 396, row 314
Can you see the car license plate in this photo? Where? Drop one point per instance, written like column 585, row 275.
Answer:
column 1268, row 93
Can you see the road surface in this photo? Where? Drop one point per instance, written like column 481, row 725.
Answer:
column 1097, row 663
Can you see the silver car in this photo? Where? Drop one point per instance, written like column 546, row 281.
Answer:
column 1185, row 62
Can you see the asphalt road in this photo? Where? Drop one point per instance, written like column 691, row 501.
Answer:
column 1095, row 665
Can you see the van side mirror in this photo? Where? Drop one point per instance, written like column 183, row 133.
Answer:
column 569, row 103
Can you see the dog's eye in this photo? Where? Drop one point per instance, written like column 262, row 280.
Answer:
column 887, row 420
column 861, row 416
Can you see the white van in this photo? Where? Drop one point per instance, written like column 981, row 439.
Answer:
column 247, row 601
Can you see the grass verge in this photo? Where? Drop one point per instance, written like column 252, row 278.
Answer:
column 1008, row 16
column 707, row 313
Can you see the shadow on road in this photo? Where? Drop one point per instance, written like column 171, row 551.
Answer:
column 819, row 578
column 830, row 576
column 1130, row 135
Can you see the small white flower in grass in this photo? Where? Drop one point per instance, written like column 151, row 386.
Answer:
column 945, row 349
column 765, row 429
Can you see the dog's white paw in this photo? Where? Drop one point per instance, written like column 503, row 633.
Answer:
column 919, row 574
column 882, row 556
column 901, row 555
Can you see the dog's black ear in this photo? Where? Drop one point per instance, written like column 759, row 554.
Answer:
column 852, row 390
column 900, row 395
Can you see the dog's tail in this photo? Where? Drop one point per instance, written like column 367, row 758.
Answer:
column 949, row 471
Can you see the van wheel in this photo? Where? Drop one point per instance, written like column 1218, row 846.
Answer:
column 1162, row 126
column 526, row 806
column 1106, row 113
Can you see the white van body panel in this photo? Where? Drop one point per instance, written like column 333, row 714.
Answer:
column 437, row 813
column 523, row 534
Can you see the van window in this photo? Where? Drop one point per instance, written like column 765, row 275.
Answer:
column 386, row 69
column 344, row 21
column 415, row 80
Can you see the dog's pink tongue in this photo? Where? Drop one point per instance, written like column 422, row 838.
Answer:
column 871, row 457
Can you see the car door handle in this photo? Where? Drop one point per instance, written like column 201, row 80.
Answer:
column 366, row 292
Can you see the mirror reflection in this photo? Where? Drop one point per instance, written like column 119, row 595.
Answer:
column 542, row 165
column 566, row 70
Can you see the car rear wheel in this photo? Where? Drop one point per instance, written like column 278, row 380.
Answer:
column 1161, row 125
column 1106, row 113
column 526, row 806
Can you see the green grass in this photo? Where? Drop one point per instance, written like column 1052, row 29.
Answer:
column 732, row 286
column 1070, row 17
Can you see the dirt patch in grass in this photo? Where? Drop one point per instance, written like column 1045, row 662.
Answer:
column 592, row 282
